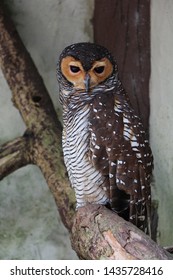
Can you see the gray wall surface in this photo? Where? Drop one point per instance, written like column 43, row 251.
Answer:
column 161, row 118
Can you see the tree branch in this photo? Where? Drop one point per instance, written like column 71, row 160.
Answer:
column 13, row 155
column 97, row 232
column 32, row 100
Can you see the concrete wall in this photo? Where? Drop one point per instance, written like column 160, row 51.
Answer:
column 161, row 119
column 30, row 227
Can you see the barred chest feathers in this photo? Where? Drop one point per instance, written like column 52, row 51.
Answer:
column 89, row 183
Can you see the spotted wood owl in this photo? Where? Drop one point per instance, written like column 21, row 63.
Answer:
column 105, row 147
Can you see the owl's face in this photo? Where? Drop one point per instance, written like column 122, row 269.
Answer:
column 84, row 66
column 74, row 71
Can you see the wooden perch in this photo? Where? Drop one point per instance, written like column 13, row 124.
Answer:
column 96, row 232
column 99, row 233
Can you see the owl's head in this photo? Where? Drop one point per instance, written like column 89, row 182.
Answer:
column 85, row 66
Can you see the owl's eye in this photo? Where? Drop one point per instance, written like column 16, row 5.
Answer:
column 74, row 69
column 99, row 69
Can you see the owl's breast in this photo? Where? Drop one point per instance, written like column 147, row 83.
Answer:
column 89, row 184
column 75, row 139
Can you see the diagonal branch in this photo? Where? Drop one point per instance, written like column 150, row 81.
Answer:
column 99, row 233
column 36, row 108
column 13, row 155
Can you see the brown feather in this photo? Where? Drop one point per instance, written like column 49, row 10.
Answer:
column 119, row 149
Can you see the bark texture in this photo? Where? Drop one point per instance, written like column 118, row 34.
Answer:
column 31, row 98
column 99, row 233
column 13, row 155
column 96, row 232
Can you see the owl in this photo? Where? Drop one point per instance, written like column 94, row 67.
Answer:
column 105, row 147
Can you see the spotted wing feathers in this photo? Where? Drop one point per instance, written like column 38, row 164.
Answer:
column 119, row 149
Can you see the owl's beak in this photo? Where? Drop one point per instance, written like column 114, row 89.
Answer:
column 87, row 82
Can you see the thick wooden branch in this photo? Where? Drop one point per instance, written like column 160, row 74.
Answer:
column 97, row 232
column 13, row 155
column 32, row 99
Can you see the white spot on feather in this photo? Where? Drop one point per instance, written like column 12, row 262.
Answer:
column 138, row 155
column 120, row 162
column 122, row 182
column 97, row 147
